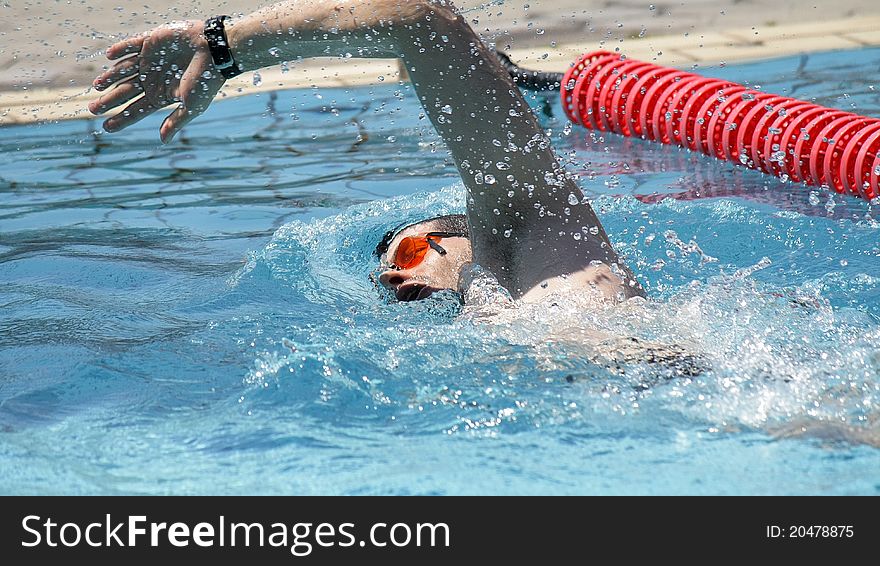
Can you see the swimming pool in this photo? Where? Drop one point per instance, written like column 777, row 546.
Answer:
column 199, row 319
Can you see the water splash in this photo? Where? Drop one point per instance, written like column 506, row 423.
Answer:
column 725, row 349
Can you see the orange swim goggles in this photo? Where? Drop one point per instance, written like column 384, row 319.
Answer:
column 412, row 250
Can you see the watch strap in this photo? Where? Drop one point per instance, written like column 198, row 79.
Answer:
column 218, row 45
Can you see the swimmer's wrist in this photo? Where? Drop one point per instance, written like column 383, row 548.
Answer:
column 241, row 37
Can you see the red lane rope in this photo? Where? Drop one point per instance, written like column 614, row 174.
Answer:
column 778, row 135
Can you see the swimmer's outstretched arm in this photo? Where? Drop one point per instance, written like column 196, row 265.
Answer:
column 529, row 226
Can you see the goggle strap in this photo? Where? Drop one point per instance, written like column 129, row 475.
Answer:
column 447, row 234
column 435, row 246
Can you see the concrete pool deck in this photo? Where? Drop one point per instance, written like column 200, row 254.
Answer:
column 690, row 44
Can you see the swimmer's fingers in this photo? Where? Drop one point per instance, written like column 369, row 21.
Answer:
column 182, row 115
column 121, row 70
column 127, row 46
column 116, row 97
column 133, row 113
column 200, row 80
column 175, row 122
column 197, row 88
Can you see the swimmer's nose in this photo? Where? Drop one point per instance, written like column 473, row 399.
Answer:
column 393, row 278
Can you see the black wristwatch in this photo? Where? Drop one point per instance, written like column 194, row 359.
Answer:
column 215, row 34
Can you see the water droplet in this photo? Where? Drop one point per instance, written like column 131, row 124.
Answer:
column 391, row 139
column 446, row 109
column 507, row 233
column 258, row 79
column 844, row 263
column 830, row 205
column 612, row 181
column 814, row 198
column 576, row 235
column 572, row 199
column 594, row 230
column 489, row 179
column 502, row 166
column 274, row 51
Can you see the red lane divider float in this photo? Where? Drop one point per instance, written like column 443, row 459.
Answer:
column 781, row 136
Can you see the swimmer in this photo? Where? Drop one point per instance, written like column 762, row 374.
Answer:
column 527, row 222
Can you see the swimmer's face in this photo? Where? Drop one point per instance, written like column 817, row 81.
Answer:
column 436, row 272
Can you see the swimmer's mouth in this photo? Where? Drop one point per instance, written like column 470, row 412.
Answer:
column 414, row 292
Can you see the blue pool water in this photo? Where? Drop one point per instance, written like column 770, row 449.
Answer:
column 198, row 318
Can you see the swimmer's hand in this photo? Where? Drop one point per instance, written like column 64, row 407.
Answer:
column 169, row 64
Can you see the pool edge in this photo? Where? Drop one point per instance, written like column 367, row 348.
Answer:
column 680, row 50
